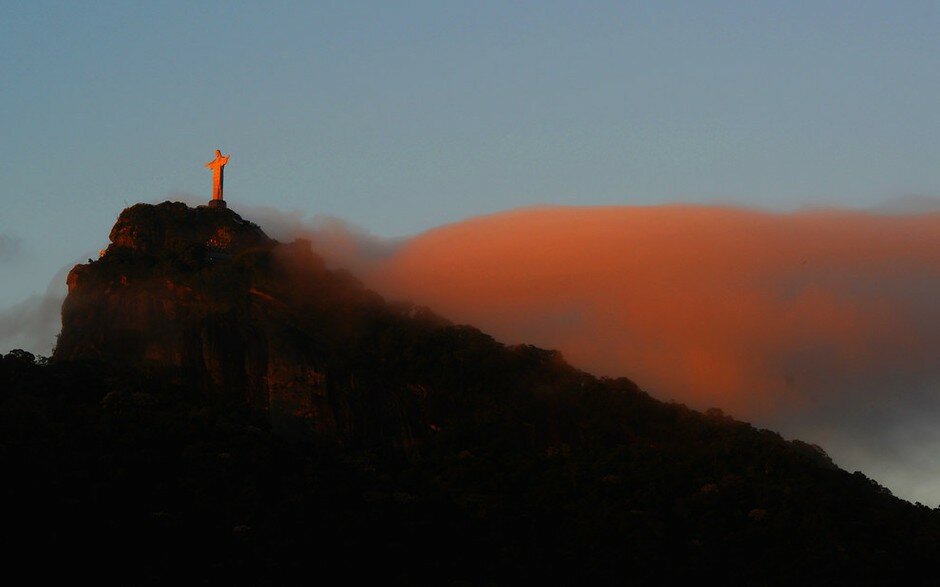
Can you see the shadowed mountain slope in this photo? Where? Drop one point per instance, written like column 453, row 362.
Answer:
column 222, row 408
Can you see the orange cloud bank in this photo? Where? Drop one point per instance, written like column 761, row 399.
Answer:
column 754, row 312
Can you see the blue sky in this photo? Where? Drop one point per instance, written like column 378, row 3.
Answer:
column 398, row 117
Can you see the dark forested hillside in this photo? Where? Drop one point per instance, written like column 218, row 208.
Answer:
column 221, row 408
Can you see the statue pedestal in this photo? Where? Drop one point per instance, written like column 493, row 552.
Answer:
column 217, row 204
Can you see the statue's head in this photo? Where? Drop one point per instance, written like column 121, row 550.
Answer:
column 218, row 153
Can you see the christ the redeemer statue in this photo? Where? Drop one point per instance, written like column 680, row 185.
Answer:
column 217, row 167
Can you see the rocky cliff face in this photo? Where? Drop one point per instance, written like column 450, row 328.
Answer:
column 205, row 297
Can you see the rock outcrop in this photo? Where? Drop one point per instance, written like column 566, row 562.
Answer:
column 207, row 298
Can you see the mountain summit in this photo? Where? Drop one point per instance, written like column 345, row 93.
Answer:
column 222, row 408
column 206, row 298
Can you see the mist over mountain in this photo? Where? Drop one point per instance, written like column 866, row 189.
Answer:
column 820, row 324
column 223, row 408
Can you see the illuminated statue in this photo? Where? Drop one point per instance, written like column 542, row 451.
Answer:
column 217, row 166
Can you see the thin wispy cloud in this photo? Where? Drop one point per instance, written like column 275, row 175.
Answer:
column 33, row 323
column 10, row 247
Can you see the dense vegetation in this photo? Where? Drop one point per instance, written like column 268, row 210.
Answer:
column 129, row 479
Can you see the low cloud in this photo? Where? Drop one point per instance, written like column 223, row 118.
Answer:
column 753, row 311
column 823, row 324
column 33, row 324
column 342, row 245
